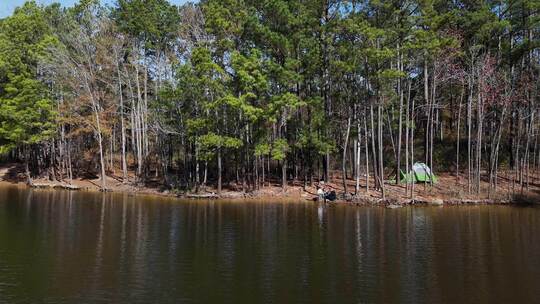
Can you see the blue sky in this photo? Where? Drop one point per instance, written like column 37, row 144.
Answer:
column 7, row 6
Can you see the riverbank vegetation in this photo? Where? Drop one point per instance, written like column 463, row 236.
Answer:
column 244, row 93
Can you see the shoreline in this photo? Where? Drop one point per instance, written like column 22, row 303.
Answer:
column 147, row 191
column 449, row 191
column 292, row 195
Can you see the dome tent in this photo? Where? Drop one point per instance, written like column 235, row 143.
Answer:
column 420, row 173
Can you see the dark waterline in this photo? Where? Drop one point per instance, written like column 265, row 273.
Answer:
column 71, row 247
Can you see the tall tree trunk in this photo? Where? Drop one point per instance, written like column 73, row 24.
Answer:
column 400, row 122
column 375, row 157
column 122, row 125
column 432, row 127
column 358, row 149
column 344, row 160
column 219, row 171
column 479, row 143
column 284, row 174
column 458, row 137
column 469, row 131
column 407, row 126
column 380, row 140
column 412, row 129
column 367, row 152
column 95, row 109
column 428, row 109
column 262, row 167
column 26, row 152
column 70, row 171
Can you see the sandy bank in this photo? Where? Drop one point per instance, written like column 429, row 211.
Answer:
column 448, row 191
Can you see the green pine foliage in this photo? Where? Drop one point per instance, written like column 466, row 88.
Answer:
column 286, row 88
column 27, row 111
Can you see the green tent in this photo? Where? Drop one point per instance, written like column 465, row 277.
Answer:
column 405, row 178
column 420, row 173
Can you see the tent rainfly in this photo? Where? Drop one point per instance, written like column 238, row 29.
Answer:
column 420, row 173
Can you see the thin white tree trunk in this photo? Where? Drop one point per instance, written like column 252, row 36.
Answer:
column 344, row 160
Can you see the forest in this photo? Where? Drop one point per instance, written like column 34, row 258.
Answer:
column 251, row 92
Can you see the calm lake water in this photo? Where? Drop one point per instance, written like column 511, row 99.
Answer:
column 77, row 247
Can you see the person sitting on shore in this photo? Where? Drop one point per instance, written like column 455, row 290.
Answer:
column 330, row 195
column 320, row 193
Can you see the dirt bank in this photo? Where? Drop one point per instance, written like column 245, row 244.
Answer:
column 450, row 190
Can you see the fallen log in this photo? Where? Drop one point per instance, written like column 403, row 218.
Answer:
column 39, row 185
column 66, row 186
column 55, row 186
column 203, row 196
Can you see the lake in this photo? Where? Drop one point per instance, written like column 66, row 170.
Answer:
column 82, row 247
